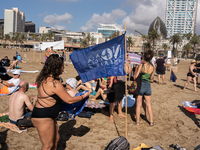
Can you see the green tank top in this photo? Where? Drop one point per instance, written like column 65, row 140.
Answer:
column 145, row 76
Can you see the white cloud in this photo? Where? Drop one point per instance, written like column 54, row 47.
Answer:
column 104, row 18
column 56, row 19
column 144, row 14
column 60, row 27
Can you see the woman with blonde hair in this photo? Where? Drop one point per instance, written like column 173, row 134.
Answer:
column 191, row 75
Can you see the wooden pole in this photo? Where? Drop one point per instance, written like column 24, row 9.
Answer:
column 126, row 81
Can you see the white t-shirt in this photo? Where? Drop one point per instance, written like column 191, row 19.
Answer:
column 168, row 61
column 15, row 82
column 175, row 61
column 153, row 61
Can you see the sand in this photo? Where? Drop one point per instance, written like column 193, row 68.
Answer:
column 174, row 125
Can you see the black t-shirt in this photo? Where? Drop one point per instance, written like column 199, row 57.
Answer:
column 6, row 62
column 198, row 65
column 160, row 65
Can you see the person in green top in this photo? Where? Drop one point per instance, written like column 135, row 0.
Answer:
column 147, row 71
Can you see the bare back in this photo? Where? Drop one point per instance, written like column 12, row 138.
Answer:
column 17, row 105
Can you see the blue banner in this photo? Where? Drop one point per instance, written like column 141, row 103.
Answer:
column 102, row 60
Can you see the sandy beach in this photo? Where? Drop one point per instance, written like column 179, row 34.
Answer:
column 174, row 125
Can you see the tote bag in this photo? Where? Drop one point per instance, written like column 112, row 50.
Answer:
column 136, row 85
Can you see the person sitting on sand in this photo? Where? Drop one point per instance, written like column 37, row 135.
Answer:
column 9, row 86
column 71, row 86
column 5, row 61
column 18, row 102
column 14, row 63
column 102, row 88
column 191, row 75
column 83, row 86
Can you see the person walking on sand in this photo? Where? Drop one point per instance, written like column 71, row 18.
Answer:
column 160, row 69
column 191, row 75
column 51, row 93
column 147, row 71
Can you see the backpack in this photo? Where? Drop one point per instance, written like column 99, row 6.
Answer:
column 119, row 143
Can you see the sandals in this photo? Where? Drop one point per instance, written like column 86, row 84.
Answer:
column 151, row 124
column 137, row 123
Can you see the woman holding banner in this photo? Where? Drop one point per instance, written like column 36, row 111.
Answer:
column 147, row 71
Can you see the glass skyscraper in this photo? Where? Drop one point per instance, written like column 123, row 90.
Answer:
column 180, row 16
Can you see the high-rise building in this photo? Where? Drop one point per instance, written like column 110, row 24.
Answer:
column 14, row 21
column 108, row 29
column 180, row 16
column 29, row 26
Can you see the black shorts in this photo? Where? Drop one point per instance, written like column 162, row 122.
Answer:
column 190, row 75
column 119, row 91
column 160, row 72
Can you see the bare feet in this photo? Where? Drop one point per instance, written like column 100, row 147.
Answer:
column 195, row 91
column 137, row 123
column 121, row 115
column 94, row 99
column 183, row 88
column 111, row 119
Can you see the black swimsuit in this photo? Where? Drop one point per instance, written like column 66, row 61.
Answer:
column 48, row 112
column 190, row 74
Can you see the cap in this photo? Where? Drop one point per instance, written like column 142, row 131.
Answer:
column 193, row 61
column 71, row 82
column 16, row 72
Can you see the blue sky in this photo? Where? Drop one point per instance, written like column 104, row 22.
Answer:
column 84, row 15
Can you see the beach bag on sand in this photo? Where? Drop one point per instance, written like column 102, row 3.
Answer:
column 135, row 86
column 119, row 143
column 24, row 123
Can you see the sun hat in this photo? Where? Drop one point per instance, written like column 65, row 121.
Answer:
column 16, row 72
column 71, row 82
column 193, row 61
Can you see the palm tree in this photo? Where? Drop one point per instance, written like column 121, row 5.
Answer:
column 50, row 35
column 75, row 41
column 16, row 37
column 114, row 35
column 44, row 37
column 84, row 43
column 88, row 37
column 174, row 39
column 22, row 38
column 33, row 36
column 187, row 47
column 165, row 47
column 152, row 36
column 6, row 37
column 194, row 40
column 130, row 42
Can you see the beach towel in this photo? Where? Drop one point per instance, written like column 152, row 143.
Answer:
column 173, row 76
column 9, row 125
column 191, row 108
column 75, row 108
column 22, row 71
column 130, row 101
column 94, row 105
column 10, row 92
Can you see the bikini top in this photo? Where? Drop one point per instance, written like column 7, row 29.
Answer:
column 55, row 96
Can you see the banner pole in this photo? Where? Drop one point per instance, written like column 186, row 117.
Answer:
column 126, row 80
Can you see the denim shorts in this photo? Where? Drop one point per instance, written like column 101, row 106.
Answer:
column 145, row 89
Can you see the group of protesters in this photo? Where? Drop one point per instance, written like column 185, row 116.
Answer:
column 46, row 106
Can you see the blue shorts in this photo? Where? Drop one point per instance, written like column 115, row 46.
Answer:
column 145, row 89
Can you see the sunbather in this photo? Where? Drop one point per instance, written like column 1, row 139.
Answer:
column 14, row 63
column 9, row 86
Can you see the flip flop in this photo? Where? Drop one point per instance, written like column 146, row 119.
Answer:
column 137, row 123
column 151, row 124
